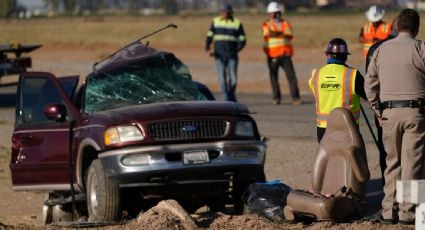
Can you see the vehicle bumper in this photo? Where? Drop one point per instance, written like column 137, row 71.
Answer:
column 232, row 160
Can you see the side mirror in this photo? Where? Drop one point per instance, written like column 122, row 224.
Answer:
column 56, row 112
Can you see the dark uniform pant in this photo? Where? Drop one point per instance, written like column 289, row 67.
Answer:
column 286, row 63
column 404, row 140
column 381, row 148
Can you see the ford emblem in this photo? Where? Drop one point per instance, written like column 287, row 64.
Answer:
column 189, row 128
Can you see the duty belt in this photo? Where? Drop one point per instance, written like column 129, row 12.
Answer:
column 403, row 104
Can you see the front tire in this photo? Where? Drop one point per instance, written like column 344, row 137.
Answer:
column 103, row 195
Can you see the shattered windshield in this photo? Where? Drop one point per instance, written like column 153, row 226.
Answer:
column 157, row 79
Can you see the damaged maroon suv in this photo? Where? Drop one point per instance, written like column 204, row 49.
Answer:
column 138, row 128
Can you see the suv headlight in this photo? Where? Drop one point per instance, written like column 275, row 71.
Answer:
column 121, row 134
column 245, row 129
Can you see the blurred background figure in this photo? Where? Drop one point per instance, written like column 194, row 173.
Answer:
column 277, row 34
column 228, row 36
column 374, row 30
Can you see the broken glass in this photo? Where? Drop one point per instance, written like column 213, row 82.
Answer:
column 156, row 79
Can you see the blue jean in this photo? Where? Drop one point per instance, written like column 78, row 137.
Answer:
column 227, row 75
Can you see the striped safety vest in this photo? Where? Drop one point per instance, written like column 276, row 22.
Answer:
column 277, row 45
column 333, row 86
column 370, row 33
column 227, row 35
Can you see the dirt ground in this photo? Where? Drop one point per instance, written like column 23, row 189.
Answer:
column 291, row 149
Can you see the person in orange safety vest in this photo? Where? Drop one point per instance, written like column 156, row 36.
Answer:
column 277, row 34
column 375, row 30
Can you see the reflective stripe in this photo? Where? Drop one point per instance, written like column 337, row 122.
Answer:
column 273, row 42
column 220, row 37
column 367, row 28
column 347, row 88
column 226, row 30
column 385, row 28
column 317, row 92
column 367, row 45
column 226, row 24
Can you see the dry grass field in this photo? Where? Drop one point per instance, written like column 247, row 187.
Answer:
column 88, row 39
column 311, row 31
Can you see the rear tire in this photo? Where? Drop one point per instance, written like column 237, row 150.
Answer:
column 103, row 195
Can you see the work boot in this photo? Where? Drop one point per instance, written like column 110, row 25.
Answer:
column 297, row 101
column 378, row 218
column 406, row 222
column 276, row 102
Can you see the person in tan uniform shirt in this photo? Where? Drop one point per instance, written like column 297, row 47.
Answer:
column 395, row 87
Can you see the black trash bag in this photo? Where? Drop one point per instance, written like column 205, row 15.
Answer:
column 267, row 199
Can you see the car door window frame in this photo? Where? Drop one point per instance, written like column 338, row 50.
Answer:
column 63, row 97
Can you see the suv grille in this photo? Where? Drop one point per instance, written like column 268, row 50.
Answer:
column 189, row 129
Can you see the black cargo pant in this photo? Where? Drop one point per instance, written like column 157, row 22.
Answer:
column 381, row 148
column 286, row 63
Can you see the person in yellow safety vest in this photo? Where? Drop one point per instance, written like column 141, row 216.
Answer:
column 375, row 30
column 228, row 36
column 336, row 85
column 277, row 34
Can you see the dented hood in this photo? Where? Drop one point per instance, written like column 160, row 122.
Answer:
column 173, row 110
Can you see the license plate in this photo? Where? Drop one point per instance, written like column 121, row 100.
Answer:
column 195, row 157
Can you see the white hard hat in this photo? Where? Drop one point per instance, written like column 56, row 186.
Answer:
column 274, row 7
column 375, row 13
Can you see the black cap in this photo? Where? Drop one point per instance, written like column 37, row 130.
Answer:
column 227, row 8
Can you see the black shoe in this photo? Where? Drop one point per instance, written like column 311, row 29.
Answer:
column 388, row 221
column 377, row 218
column 406, row 222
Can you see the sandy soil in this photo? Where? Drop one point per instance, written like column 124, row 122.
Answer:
column 291, row 131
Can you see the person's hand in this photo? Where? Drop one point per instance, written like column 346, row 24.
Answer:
column 211, row 54
column 276, row 33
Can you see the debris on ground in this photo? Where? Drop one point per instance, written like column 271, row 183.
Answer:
column 168, row 214
column 251, row 221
